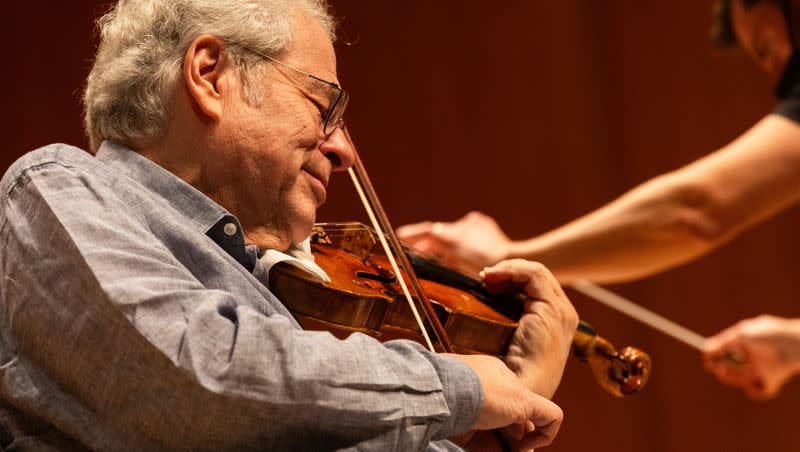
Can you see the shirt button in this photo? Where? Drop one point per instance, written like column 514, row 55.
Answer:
column 229, row 229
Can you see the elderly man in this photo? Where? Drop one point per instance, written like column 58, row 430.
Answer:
column 684, row 214
column 136, row 313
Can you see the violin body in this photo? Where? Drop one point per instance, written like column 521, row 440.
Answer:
column 365, row 296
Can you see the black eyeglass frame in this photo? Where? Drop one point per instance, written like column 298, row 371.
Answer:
column 334, row 116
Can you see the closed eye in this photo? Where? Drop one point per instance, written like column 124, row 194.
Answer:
column 323, row 112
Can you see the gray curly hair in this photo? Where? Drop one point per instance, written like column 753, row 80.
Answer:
column 142, row 45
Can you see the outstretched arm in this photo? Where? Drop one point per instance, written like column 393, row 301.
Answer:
column 660, row 224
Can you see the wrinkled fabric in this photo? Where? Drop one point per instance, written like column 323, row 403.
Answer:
column 129, row 322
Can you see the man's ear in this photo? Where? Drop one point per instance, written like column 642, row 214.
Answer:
column 203, row 68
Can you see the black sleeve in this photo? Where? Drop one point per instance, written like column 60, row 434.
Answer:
column 789, row 108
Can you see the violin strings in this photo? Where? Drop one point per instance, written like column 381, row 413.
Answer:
column 587, row 288
column 389, row 254
column 341, row 229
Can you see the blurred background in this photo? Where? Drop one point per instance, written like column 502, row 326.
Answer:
column 535, row 113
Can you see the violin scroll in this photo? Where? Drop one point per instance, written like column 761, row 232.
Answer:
column 365, row 297
column 620, row 373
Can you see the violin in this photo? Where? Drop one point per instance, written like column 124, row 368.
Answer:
column 364, row 296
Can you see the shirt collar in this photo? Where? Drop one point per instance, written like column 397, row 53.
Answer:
column 199, row 210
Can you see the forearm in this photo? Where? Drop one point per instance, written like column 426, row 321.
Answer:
column 681, row 215
column 110, row 324
column 649, row 229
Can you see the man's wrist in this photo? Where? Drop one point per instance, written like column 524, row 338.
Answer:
column 530, row 372
column 462, row 392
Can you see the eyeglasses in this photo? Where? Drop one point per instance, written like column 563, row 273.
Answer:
column 333, row 118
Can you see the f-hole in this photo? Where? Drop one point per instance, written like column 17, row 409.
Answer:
column 385, row 279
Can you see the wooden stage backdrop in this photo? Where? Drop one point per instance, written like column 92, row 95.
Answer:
column 535, row 113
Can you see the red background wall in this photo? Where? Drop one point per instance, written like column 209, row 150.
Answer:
column 533, row 112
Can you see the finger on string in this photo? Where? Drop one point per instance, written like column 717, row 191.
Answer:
column 531, row 278
column 512, row 270
column 501, row 283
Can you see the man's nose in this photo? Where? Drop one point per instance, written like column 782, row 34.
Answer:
column 337, row 148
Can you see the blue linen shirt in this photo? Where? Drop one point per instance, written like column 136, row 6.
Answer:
column 134, row 317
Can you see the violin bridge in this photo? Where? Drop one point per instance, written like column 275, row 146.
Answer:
column 355, row 238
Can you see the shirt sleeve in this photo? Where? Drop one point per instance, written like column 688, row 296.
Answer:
column 789, row 104
column 789, row 108
column 110, row 337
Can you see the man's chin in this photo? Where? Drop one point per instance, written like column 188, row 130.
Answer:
column 303, row 230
